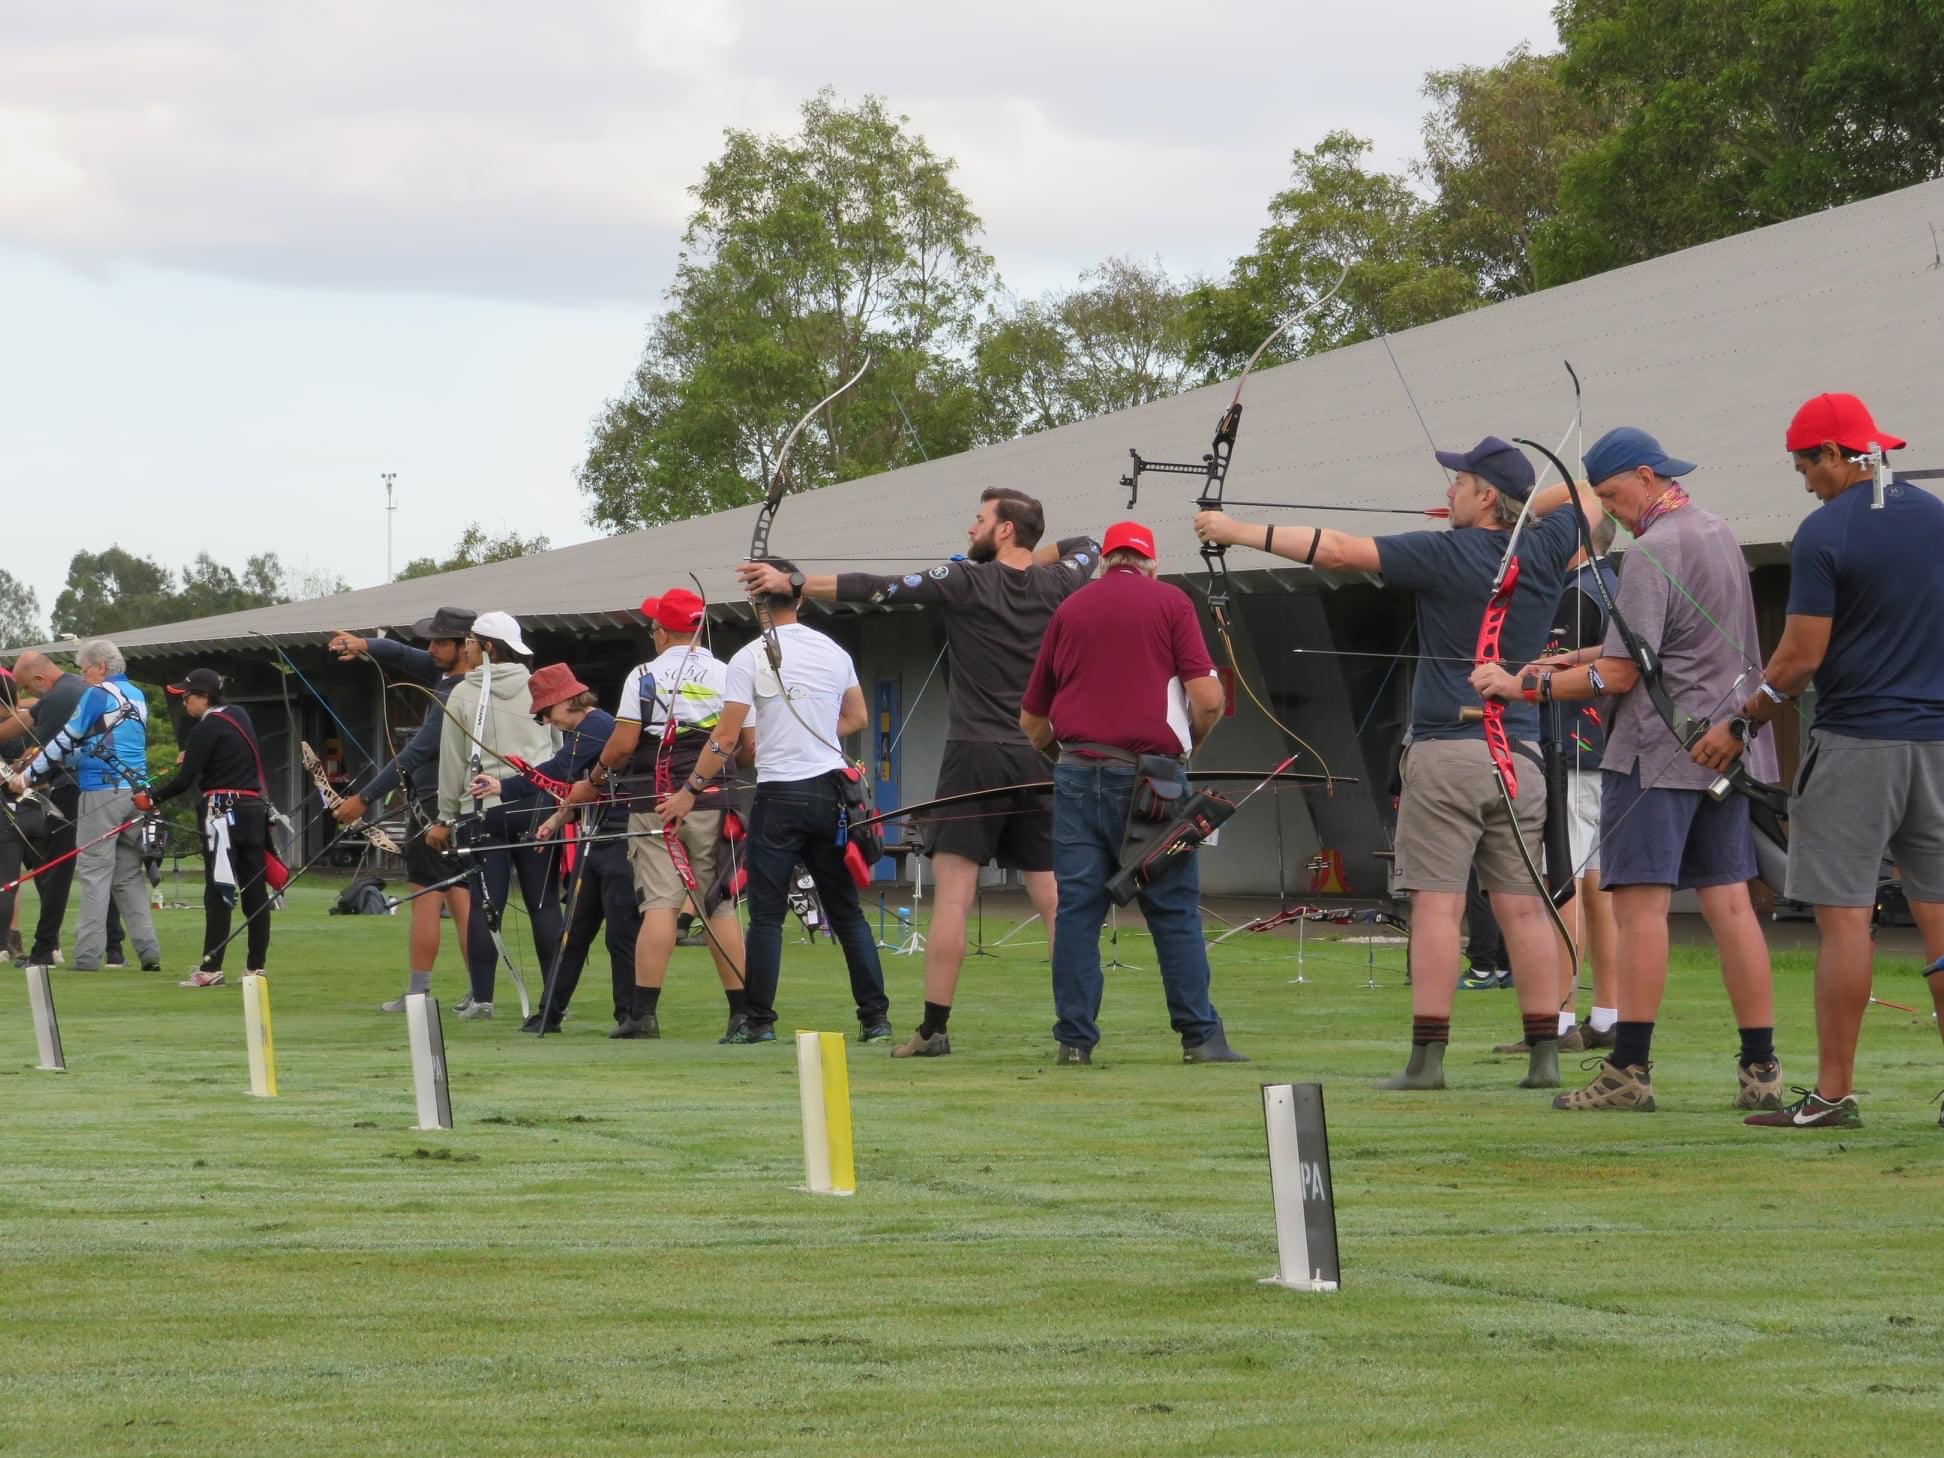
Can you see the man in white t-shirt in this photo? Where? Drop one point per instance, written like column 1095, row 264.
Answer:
column 669, row 707
column 802, row 707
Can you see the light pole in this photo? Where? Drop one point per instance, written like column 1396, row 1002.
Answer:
column 390, row 507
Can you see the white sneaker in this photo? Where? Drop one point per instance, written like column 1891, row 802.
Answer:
column 202, row 979
column 396, row 1005
column 471, row 1011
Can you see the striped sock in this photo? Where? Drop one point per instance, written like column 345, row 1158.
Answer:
column 1541, row 1026
column 1425, row 1031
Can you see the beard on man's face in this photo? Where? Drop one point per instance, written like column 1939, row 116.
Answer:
column 983, row 548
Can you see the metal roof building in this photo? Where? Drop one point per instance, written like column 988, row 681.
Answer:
column 1711, row 349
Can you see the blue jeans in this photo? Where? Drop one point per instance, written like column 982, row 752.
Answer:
column 792, row 822
column 1089, row 817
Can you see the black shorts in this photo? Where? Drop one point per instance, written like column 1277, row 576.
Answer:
column 423, row 865
column 1014, row 830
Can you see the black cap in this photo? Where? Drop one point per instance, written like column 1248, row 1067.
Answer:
column 205, row 681
column 447, row 622
column 1498, row 463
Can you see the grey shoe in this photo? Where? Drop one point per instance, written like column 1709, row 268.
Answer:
column 396, row 1005
column 1213, row 1049
column 472, row 1011
column 1070, row 1054
column 738, row 1023
column 1542, row 1065
column 920, row 1046
column 1425, row 1070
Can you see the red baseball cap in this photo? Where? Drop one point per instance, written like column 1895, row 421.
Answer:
column 1130, row 535
column 1843, row 419
column 678, row 610
column 553, row 684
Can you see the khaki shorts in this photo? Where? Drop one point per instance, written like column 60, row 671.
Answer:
column 655, row 877
column 1450, row 818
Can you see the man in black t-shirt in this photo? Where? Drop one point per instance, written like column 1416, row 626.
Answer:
column 996, row 605
column 56, row 692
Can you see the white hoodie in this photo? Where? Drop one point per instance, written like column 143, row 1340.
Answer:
column 509, row 729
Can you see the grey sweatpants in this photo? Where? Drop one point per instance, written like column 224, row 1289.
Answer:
column 111, row 869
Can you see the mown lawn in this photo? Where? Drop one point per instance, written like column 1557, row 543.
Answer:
column 609, row 1254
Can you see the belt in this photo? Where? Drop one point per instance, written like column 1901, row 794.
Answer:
column 239, row 794
column 1081, row 752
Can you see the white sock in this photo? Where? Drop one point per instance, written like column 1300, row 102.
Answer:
column 1604, row 1018
column 1566, row 1023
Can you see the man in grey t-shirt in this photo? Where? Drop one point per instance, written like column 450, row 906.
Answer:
column 1688, row 602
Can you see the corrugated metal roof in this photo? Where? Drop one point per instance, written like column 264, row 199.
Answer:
column 1711, row 349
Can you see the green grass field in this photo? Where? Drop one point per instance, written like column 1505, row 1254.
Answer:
column 609, row 1254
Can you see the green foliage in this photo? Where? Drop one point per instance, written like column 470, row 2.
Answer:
column 19, row 612
column 1335, row 212
column 1734, row 114
column 1116, row 341
column 474, row 549
column 1494, row 143
column 609, row 1256
column 804, row 252
column 114, row 591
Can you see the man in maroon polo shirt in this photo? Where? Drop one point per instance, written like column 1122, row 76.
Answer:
column 1122, row 673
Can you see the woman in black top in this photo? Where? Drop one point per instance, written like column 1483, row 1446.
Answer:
column 221, row 760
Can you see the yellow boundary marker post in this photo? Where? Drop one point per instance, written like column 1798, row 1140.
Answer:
column 47, row 1028
column 256, row 1035
column 823, row 1087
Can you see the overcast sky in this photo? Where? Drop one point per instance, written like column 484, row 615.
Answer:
column 253, row 253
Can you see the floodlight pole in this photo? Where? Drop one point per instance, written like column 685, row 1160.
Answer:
column 391, row 507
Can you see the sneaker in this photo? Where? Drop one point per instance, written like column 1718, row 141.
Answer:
column 532, row 1024
column 737, row 1023
column 396, row 1005
column 1627, row 1090
column 878, row 1032
column 471, row 1011
column 151, row 966
column 116, row 964
column 1519, row 1047
column 1593, row 1038
column 1479, row 979
column 648, row 1025
column 749, row 1033
column 58, row 959
column 1070, row 1054
column 1761, row 1086
column 1573, row 1040
column 921, row 1046
column 1811, row 1111
column 1213, row 1049
column 202, row 979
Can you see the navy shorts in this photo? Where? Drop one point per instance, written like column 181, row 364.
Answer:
column 1667, row 837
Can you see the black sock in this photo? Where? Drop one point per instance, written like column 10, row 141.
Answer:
column 738, row 1000
column 647, row 999
column 1758, row 1046
column 1632, row 1043
column 1425, row 1031
column 936, row 1016
column 1541, row 1026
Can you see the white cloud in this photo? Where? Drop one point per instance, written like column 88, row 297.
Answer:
column 495, row 148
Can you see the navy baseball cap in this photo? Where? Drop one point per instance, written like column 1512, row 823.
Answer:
column 1627, row 446
column 1496, row 462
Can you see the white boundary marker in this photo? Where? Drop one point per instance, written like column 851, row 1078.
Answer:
column 1299, row 1186
column 427, row 1042
column 47, row 1028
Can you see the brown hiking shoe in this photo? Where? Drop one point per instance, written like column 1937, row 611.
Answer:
column 1593, row 1037
column 1626, row 1090
column 1573, row 1040
column 1761, row 1086
column 1519, row 1047
column 920, row 1046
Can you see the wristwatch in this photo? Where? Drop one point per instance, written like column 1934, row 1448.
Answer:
column 796, row 584
column 1743, row 727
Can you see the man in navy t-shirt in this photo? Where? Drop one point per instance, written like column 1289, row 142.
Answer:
column 1450, row 816
column 1866, row 592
